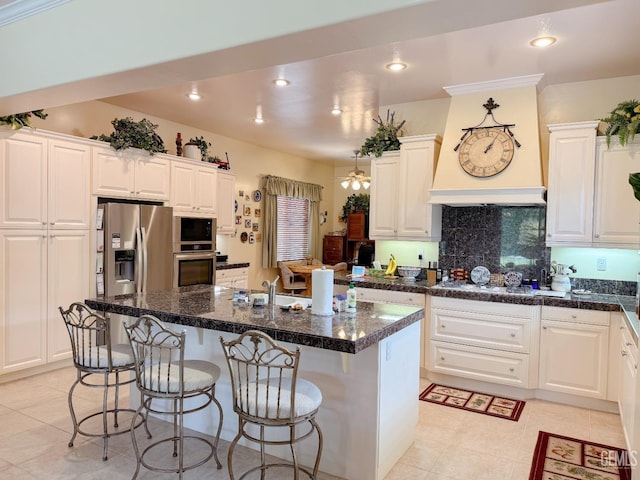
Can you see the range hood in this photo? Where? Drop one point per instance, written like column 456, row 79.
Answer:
column 520, row 183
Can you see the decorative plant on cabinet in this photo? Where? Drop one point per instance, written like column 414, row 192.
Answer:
column 385, row 137
column 130, row 134
column 19, row 120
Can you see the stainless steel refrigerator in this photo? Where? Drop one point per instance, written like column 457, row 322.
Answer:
column 138, row 251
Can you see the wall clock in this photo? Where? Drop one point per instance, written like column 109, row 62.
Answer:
column 486, row 150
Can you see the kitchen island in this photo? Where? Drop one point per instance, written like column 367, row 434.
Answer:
column 366, row 365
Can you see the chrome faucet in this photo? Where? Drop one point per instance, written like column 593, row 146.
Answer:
column 271, row 286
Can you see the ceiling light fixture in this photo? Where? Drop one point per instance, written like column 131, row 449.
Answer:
column 336, row 110
column 194, row 96
column 542, row 41
column 356, row 178
column 396, row 66
column 258, row 120
column 281, row 82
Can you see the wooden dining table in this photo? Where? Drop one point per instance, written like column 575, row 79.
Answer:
column 305, row 272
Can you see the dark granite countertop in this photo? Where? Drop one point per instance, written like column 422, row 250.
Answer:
column 212, row 307
column 594, row 301
column 230, row 265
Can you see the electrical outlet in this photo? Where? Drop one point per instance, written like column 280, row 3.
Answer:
column 420, row 254
column 601, row 264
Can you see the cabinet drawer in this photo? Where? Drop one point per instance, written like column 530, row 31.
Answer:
column 489, row 308
column 482, row 330
column 575, row 315
column 390, row 296
column 494, row 366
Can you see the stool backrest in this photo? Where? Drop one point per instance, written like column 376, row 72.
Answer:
column 263, row 377
column 158, row 354
column 90, row 337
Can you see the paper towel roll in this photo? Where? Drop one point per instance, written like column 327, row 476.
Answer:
column 322, row 291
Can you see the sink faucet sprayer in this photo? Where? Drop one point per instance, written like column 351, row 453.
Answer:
column 272, row 288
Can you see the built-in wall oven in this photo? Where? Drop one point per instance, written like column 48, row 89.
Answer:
column 194, row 244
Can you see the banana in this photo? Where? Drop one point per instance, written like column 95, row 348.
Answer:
column 391, row 268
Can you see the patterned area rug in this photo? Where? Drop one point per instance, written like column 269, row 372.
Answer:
column 564, row 458
column 474, row 401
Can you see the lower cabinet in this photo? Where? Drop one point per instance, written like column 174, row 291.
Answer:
column 574, row 346
column 628, row 363
column 493, row 342
column 40, row 270
column 233, row 277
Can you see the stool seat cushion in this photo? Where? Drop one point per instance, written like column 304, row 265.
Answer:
column 97, row 357
column 198, row 375
column 308, row 398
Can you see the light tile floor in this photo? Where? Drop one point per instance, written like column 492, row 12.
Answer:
column 451, row 444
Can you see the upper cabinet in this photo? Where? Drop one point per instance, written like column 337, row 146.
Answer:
column 131, row 174
column 400, row 185
column 226, row 208
column 45, row 182
column 589, row 199
column 193, row 187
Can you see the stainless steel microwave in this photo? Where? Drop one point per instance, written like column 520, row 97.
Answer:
column 194, row 234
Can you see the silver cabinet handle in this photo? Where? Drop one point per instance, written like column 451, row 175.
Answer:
column 44, row 223
column 548, row 234
column 511, row 369
column 597, row 235
column 628, row 344
column 442, row 358
column 623, row 353
column 544, row 328
column 52, row 223
column 44, row 236
column 513, row 335
column 442, row 326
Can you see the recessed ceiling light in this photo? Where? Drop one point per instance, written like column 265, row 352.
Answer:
column 258, row 120
column 281, row 82
column 194, row 96
column 336, row 110
column 395, row 66
column 542, row 41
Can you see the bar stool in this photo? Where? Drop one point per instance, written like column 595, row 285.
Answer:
column 163, row 373
column 93, row 354
column 268, row 393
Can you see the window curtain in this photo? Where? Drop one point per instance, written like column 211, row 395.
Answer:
column 278, row 186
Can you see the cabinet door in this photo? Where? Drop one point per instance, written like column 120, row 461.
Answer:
column 627, row 352
column 225, row 188
column 617, row 212
column 68, row 282
column 417, row 218
column 206, row 200
column 384, row 197
column 183, row 186
column 152, row 178
column 69, row 190
column 573, row 358
column 23, row 180
column 113, row 173
column 571, row 184
column 23, row 292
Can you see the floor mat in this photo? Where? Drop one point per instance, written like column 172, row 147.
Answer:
column 566, row 458
column 474, row 401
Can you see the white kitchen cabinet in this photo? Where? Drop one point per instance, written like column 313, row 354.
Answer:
column 617, row 211
column 570, row 191
column 627, row 353
column 45, row 182
column 40, row 270
column 492, row 342
column 193, row 188
column 226, row 185
column 233, row 277
column 574, row 346
column 400, row 185
column 130, row 173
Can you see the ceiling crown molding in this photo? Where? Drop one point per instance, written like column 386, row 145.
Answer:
column 12, row 11
column 501, row 84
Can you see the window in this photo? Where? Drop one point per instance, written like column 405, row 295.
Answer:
column 293, row 228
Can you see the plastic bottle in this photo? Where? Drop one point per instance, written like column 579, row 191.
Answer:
column 351, row 298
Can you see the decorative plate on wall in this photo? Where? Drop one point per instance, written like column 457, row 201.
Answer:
column 257, row 195
column 235, row 205
column 480, row 275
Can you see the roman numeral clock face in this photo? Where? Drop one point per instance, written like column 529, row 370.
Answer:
column 486, row 152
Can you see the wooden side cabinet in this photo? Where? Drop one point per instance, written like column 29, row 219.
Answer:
column 333, row 249
column 357, row 226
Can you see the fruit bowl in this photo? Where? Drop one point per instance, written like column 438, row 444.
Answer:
column 410, row 273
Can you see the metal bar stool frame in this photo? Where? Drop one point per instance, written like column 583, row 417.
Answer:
column 264, row 382
column 94, row 354
column 162, row 372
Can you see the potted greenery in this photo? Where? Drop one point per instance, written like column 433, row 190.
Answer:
column 19, row 120
column 385, row 137
column 624, row 121
column 130, row 134
column 202, row 145
column 355, row 202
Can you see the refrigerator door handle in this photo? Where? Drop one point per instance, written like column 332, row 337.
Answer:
column 144, row 259
column 139, row 261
